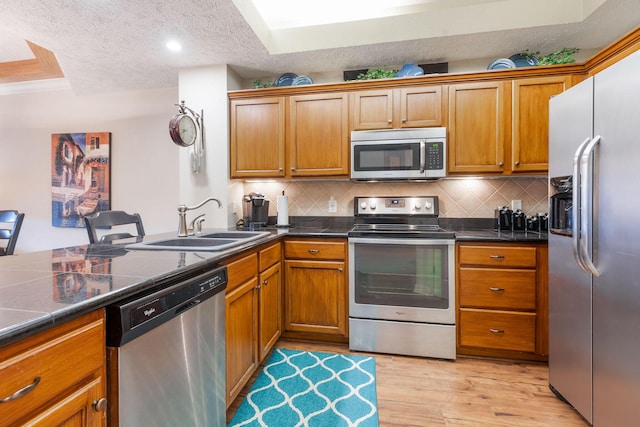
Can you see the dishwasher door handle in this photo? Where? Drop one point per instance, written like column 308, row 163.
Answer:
column 187, row 306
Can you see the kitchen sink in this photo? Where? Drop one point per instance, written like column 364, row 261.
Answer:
column 208, row 241
column 245, row 235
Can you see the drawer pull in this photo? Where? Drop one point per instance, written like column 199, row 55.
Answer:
column 496, row 289
column 23, row 391
column 496, row 256
column 496, row 331
column 314, row 251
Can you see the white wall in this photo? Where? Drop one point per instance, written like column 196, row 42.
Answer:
column 144, row 160
column 205, row 89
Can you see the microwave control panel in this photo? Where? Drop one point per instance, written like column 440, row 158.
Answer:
column 434, row 157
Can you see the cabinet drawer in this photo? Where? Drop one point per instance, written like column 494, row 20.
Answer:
column 269, row 256
column 315, row 250
column 502, row 256
column 241, row 270
column 497, row 330
column 60, row 358
column 497, row 288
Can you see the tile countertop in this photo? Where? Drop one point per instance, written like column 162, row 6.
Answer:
column 41, row 289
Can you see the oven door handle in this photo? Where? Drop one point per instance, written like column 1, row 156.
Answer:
column 401, row 241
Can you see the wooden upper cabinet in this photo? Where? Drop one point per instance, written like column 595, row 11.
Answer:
column 257, row 137
column 476, row 127
column 420, row 107
column 397, row 108
column 530, row 125
column 319, row 135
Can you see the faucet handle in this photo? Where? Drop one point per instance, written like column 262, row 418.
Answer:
column 196, row 224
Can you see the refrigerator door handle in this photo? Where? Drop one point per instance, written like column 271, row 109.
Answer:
column 588, row 172
column 577, row 199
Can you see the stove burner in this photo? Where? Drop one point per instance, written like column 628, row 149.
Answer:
column 398, row 217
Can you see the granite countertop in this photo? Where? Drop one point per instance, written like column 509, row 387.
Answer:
column 41, row 289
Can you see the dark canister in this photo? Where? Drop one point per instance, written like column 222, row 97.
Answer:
column 519, row 220
column 543, row 222
column 532, row 223
column 504, row 215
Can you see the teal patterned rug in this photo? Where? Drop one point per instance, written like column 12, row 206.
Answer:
column 299, row 388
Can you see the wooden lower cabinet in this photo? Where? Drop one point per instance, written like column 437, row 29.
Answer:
column 65, row 368
column 253, row 313
column 270, row 319
column 316, row 289
column 502, row 300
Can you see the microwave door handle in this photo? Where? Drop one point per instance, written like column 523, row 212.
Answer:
column 576, row 200
column 423, row 155
column 588, row 172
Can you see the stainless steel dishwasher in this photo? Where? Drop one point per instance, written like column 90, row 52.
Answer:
column 168, row 349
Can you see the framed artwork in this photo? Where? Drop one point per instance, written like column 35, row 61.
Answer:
column 80, row 176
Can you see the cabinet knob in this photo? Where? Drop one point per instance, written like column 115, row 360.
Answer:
column 404, row 120
column 340, row 270
column 501, row 164
column 100, row 405
column 518, row 163
column 314, row 251
column 389, row 121
column 293, row 169
column 265, row 282
column 23, row 391
column 496, row 289
column 496, row 331
column 280, row 169
column 257, row 287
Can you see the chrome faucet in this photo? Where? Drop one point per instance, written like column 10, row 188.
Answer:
column 183, row 230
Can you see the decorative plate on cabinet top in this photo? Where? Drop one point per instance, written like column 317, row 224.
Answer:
column 409, row 69
column 524, row 60
column 302, row 80
column 501, row 63
column 285, row 79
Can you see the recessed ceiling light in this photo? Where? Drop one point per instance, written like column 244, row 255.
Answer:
column 174, row 46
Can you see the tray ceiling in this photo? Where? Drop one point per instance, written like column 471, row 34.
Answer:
column 115, row 45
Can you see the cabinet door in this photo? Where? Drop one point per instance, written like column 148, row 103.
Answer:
column 420, row 107
column 476, row 127
column 319, row 135
column 372, row 109
column 270, row 308
column 78, row 409
column 530, row 126
column 242, row 336
column 257, row 137
column 315, row 297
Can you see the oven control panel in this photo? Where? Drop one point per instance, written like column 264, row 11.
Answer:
column 389, row 205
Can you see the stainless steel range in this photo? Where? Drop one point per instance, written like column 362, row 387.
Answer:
column 401, row 278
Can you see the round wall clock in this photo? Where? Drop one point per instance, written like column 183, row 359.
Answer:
column 184, row 127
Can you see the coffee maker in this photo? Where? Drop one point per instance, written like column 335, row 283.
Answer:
column 255, row 210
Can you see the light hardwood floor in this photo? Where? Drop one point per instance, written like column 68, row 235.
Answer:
column 415, row 391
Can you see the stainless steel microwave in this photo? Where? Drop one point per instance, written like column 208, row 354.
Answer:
column 418, row 153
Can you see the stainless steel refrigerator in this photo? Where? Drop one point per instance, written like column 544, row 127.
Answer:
column 594, row 245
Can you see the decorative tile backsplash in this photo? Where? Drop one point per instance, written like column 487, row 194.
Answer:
column 459, row 198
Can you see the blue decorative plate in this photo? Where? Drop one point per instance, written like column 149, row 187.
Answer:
column 500, row 64
column 302, row 80
column 285, row 79
column 523, row 61
column 409, row 70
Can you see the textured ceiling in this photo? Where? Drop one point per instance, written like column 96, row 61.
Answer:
column 120, row 45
